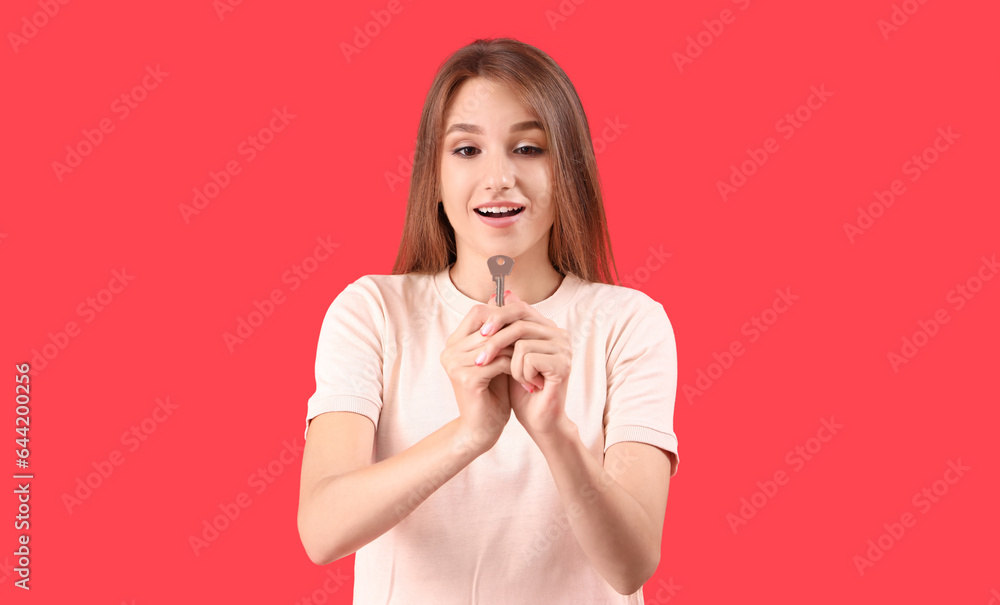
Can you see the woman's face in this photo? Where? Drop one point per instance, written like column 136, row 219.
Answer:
column 495, row 153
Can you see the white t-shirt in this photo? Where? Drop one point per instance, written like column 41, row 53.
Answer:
column 497, row 532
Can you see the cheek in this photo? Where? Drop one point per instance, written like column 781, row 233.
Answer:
column 449, row 184
column 538, row 187
column 455, row 177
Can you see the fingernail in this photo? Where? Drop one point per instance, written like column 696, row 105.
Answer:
column 506, row 292
column 479, row 360
column 527, row 388
column 486, row 329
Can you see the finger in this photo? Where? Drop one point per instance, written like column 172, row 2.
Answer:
column 482, row 374
column 500, row 365
column 514, row 309
column 530, row 369
column 492, row 322
column 483, row 357
column 473, row 357
column 540, row 368
column 477, row 318
column 475, row 342
column 472, row 322
column 499, row 388
column 520, row 369
column 518, row 331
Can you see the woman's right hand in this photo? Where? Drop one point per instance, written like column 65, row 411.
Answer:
column 481, row 391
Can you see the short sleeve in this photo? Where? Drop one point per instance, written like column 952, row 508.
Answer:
column 349, row 355
column 642, row 383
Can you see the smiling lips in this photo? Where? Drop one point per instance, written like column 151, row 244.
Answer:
column 496, row 214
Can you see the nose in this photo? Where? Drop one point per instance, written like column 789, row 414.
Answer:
column 500, row 173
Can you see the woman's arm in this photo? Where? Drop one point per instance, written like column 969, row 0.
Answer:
column 346, row 502
column 616, row 511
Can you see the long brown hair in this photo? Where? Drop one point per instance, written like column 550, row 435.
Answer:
column 578, row 241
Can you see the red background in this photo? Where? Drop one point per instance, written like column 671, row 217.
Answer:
column 324, row 175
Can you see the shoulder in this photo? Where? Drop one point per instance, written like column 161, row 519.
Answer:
column 388, row 287
column 617, row 301
column 386, row 291
column 373, row 302
column 620, row 318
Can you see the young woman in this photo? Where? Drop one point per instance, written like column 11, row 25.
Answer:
column 412, row 457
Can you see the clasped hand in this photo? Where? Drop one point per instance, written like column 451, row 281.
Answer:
column 517, row 341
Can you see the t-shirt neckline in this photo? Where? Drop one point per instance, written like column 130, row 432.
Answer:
column 454, row 298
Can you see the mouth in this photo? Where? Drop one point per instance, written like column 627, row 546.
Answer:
column 499, row 212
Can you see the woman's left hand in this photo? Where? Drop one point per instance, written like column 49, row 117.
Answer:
column 541, row 361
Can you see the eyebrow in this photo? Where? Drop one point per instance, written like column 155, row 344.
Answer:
column 473, row 129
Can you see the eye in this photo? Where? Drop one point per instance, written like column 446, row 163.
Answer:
column 532, row 150
column 459, row 151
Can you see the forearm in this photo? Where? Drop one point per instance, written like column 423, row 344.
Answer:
column 613, row 529
column 343, row 513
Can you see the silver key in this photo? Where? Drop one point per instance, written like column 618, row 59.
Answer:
column 500, row 267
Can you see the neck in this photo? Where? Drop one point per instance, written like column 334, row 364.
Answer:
column 532, row 282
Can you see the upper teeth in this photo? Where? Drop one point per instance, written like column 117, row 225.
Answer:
column 497, row 209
